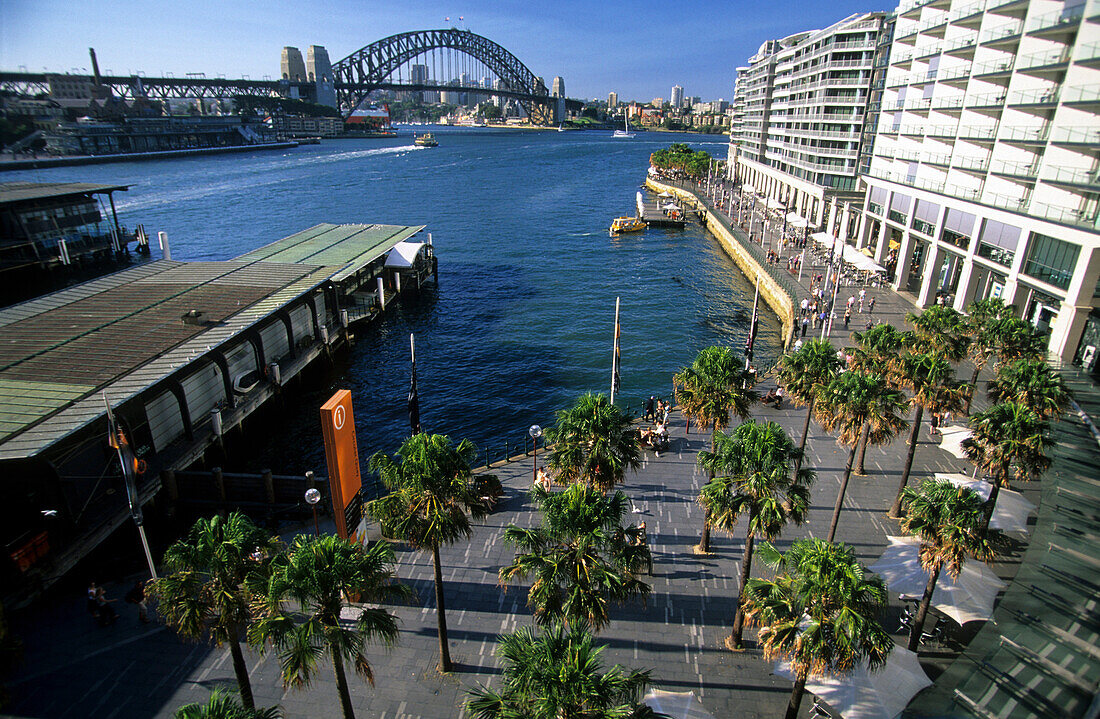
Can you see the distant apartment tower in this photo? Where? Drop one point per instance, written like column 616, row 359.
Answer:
column 983, row 181
column 557, row 89
column 800, row 117
column 293, row 67
column 676, row 99
column 612, row 100
column 319, row 71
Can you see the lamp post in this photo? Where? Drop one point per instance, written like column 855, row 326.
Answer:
column 535, row 431
column 313, row 496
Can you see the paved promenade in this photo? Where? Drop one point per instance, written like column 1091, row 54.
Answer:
column 74, row 669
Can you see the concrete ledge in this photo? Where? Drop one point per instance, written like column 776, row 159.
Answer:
column 775, row 295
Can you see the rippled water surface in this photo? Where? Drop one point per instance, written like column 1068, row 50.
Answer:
column 521, row 322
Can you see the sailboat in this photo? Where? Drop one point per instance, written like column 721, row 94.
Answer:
column 625, row 132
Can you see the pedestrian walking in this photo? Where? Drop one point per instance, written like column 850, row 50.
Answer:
column 107, row 614
column 871, row 304
column 934, row 429
column 862, row 295
column 805, row 325
column 805, row 306
column 847, row 317
column 136, row 596
column 648, row 412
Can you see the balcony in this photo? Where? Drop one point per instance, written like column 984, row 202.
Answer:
column 986, row 100
column 993, row 67
column 1007, row 202
column 1065, row 215
column 977, row 132
column 947, row 103
column 975, row 164
column 1083, row 94
column 941, row 131
column 971, row 11
column 1073, row 176
column 1075, row 135
column 1059, row 20
column 960, row 45
column 954, row 73
column 1048, row 60
column 943, row 159
column 1088, row 54
column 1037, row 97
column 1025, row 133
column 1002, row 33
column 1025, row 170
column 928, row 51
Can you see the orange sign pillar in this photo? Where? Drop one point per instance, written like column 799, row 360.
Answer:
column 342, row 457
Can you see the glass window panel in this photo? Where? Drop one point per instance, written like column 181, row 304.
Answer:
column 1051, row 260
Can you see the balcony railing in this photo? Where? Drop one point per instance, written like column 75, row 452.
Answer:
column 986, row 99
column 1038, row 96
column 966, row 193
column 992, row 66
column 1073, row 175
column 971, row 163
column 952, row 73
column 1054, row 19
column 1065, row 215
column 1081, row 93
column 947, row 103
column 1002, row 31
column 978, row 132
column 1035, row 134
column 1042, row 59
column 959, row 43
column 1015, row 168
column 967, row 11
column 1077, row 134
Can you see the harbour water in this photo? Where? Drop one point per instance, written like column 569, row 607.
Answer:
column 522, row 320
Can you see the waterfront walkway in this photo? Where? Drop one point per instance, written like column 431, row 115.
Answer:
column 74, row 669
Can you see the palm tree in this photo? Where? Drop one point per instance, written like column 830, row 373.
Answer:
column 981, row 327
column 1019, row 339
column 753, row 477
column 876, row 352
column 594, row 442
column 802, row 373
column 205, row 591
column 715, row 385
column 948, row 521
column 1033, row 384
column 558, row 674
column 931, row 379
column 941, row 329
column 302, row 600
column 1008, row 441
column 223, row 706
column 820, row 613
column 854, row 401
column 581, row 556
column 431, row 501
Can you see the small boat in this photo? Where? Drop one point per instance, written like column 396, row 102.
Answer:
column 561, row 129
column 425, row 140
column 627, row 224
column 625, row 132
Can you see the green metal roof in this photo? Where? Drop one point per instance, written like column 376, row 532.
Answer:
column 346, row 247
column 12, row 192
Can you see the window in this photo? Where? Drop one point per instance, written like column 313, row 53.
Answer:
column 998, row 242
column 958, row 228
column 899, row 208
column 1051, row 260
column 924, row 217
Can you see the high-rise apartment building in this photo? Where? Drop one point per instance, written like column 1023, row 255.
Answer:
column 612, row 100
column 799, row 110
column 676, row 99
column 292, row 65
column 983, row 181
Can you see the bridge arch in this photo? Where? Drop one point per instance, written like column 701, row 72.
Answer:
column 370, row 68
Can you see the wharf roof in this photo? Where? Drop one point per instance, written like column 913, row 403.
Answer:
column 13, row 192
column 348, row 248
column 123, row 333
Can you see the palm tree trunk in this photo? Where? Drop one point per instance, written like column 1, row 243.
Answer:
column 914, row 437
column 922, row 612
column 805, row 434
column 990, row 504
column 863, row 448
column 240, row 669
column 973, row 388
column 746, row 568
column 795, row 703
column 441, row 616
column 840, row 494
column 342, row 684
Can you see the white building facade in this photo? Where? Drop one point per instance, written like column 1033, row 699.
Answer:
column 983, row 180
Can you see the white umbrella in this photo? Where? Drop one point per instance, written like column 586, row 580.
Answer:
column 951, row 440
column 679, row 705
column 966, row 599
column 882, row 694
column 670, row 206
column 1011, row 511
column 666, row 194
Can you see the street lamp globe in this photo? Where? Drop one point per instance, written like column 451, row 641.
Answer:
column 535, row 431
column 313, row 496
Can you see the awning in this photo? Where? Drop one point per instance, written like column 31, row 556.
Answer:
column 748, row 189
column 823, row 238
column 404, row 254
column 774, row 204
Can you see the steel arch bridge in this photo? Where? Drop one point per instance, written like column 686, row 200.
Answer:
column 374, row 66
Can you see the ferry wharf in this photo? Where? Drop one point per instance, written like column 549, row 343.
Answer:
column 1037, row 652
column 183, row 352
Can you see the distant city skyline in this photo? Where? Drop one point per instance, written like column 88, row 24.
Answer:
column 638, row 52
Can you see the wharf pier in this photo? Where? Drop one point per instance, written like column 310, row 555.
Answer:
column 45, row 161
column 651, row 213
column 183, row 352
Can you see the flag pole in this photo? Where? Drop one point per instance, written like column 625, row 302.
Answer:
column 126, row 459
column 752, row 323
column 414, row 394
column 615, row 355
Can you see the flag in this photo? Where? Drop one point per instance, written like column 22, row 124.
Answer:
column 616, row 361
column 116, row 438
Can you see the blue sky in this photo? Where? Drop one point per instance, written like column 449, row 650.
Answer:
column 638, row 49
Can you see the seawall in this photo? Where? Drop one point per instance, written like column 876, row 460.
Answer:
column 779, row 292
column 65, row 161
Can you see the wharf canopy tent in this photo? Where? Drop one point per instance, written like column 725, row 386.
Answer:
column 966, row 599
column 404, row 254
column 951, row 440
column 796, row 220
column 774, row 204
column 665, row 195
column 678, row 705
column 882, row 694
column 1011, row 511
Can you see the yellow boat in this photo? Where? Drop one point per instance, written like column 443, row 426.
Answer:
column 627, row 224
column 425, row 140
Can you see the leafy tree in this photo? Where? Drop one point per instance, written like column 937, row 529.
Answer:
column 298, row 608
column 820, row 613
column 1033, row 384
column 682, row 158
column 854, row 401
column 931, row 379
column 948, row 521
column 224, row 706
column 205, row 592
column 558, row 674
column 594, row 442
column 431, row 501
column 715, row 385
column 582, row 558
column 1008, row 441
column 753, row 468
column 940, row 329
column 981, row 327
column 802, row 373
column 876, row 352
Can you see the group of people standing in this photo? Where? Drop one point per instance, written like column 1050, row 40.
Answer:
column 99, row 606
